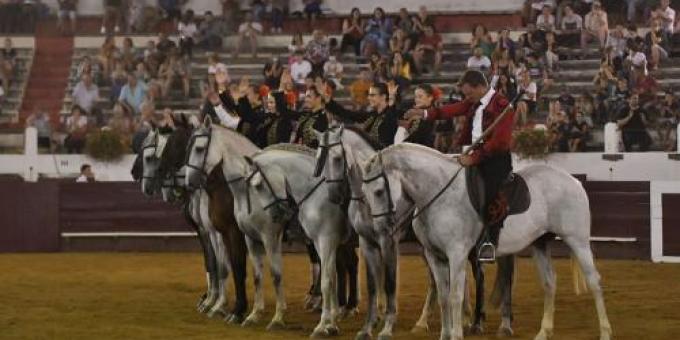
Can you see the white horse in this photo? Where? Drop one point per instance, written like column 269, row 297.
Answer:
column 448, row 226
column 196, row 211
column 282, row 174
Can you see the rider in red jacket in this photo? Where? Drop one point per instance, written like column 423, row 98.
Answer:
column 481, row 107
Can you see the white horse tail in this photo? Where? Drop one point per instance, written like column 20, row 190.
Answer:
column 578, row 278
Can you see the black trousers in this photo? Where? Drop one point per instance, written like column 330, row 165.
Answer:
column 494, row 170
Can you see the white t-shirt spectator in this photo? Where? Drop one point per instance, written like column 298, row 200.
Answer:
column 544, row 23
column 81, row 123
column 243, row 28
column 299, row 71
column 529, row 91
column 475, row 63
column 187, row 30
column 669, row 13
column 639, row 59
column 84, row 97
column 572, row 22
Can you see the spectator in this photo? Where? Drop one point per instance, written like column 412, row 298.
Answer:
column 76, row 130
column 118, row 80
column 2, row 96
column 536, row 6
column 332, row 71
column 580, row 132
column 478, row 61
column 209, row 35
column 657, row 44
column 41, row 121
column 85, row 67
column 214, row 65
column 352, row 32
column 67, row 9
column 86, row 94
column 297, row 44
column 174, row 68
column 555, row 124
column 107, row 54
column 527, row 103
column 378, row 67
column 669, row 117
column 546, row 21
column 504, row 63
column 532, row 41
column 113, row 10
column 505, row 42
column 633, row 124
column 567, row 101
column 506, row 85
column 377, row 33
column 596, row 26
column 359, row 89
column 164, row 47
column 171, row 10
column 133, row 94
column 617, row 43
column 278, row 12
column 8, row 61
column 142, row 73
column 151, row 57
column 421, row 21
column 317, row 51
column 248, row 30
column 481, row 38
column 187, row 34
column 666, row 15
column 429, row 50
column 632, row 7
column 637, row 61
column 121, row 124
column 400, row 70
column 128, row 54
column 405, row 27
column 86, row 174
column 300, row 69
column 312, row 11
column 231, row 10
column 272, row 73
column 571, row 26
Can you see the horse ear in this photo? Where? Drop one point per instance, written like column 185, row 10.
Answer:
column 207, row 121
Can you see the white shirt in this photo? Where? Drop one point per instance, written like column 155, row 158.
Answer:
column 81, row 179
column 225, row 118
column 300, row 70
column 477, row 121
column 187, row 30
column 243, row 28
column 529, row 90
column 332, row 69
column 547, row 24
column 670, row 14
column 478, row 63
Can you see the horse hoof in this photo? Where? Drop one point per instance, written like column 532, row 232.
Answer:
column 505, row 332
column 420, row 329
column 249, row 321
column 543, row 335
column 384, row 336
column 276, row 325
column 473, row 330
column 201, row 301
column 363, row 336
column 329, row 331
column 217, row 312
column 234, row 319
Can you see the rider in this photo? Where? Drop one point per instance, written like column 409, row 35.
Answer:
column 482, row 107
column 314, row 118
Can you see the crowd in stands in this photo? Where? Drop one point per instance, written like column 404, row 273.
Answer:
column 399, row 49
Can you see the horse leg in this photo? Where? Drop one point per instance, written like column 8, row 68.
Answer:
column 353, row 280
column 390, row 255
column 428, row 308
column 327, row 326
column 313, row 298
column 256, row 253
column 208, row 298
column 477, row 326
column 273, row 246
column 237, row 257
column 341, row 270
column 373, row 267
column 223, row 269
column 440, row 272
column 581, row 250
column 506, row 273
column 541, row 254
column 457, row 279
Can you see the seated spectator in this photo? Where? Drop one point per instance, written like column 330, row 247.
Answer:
column 279, row 8
column 272, row 73
column 67, row 9
column 248, row 30
column 133, row 94
column 429, row 50
column 400, row 70
column 86, row 94
column 478, row 61
column 352, row 32
column 317, row 51
column 406, row 28
column 421, row 20
column 118, row 80
column 555, row 125
column 76, row 130
column 300, row 69
column 506, row 85
column 570, row 27
column 666, row 15
column 377, row 33
column 142, row 73
column 657, row 44
column 129, row 54
column 481, row 38
column 535, row 7
column 546, row 21
column 532, row 41
column 400, row 42
column 164, row 47
column 172, row 10
column 121, row 124
column 669, row 117
column 113, row 14
column 209, row 35
column 2, row 96
column 527, row 103
column 378, row 67
column 312, row 11
column 297, row 44
column 567, row 101
column 505, row 43
column 214, row 65
column 647, row 87
column 152, row 57
column 85, row 67
column 359, row 89
column 187, row 34
column 633, row 125
column 580, row 132
column 595, row 26
column 637, row 61
column 332, row 70
column 8, row 61
column 86, row 174
column 502, row 64
column 617, row 43
column 174, row 69
column 41, row 121
column 107, row 55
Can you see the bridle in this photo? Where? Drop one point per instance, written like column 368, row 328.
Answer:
column 323, row 157
column 267, row 182
column 391, row 211
column 199, row 167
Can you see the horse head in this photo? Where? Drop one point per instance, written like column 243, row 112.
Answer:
column 332, row 163
column 382, row 189
column 202, row 155
column 152, row 147
column 269, row 187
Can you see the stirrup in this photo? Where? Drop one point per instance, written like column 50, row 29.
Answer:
column 487, row 253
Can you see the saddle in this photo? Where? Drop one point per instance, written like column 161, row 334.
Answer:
column 513, row 197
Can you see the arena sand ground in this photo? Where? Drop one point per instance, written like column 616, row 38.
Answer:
column 152, row 296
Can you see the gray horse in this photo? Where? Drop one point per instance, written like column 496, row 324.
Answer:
column 448, row 226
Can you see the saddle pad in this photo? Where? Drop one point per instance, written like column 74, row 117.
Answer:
column 514, row 189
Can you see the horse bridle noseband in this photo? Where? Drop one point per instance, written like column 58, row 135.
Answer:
column 199, row 167
column 321, row 164
column 391, row 211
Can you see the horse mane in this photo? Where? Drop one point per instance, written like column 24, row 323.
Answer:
column 407, row 147
column 376, row 145
column 233, row 132
column 290, row 147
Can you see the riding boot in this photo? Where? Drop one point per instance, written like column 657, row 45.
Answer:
column 487, row 251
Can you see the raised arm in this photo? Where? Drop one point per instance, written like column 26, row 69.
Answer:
column 448, row 111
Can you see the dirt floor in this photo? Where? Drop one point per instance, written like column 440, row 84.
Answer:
column 152, row 296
